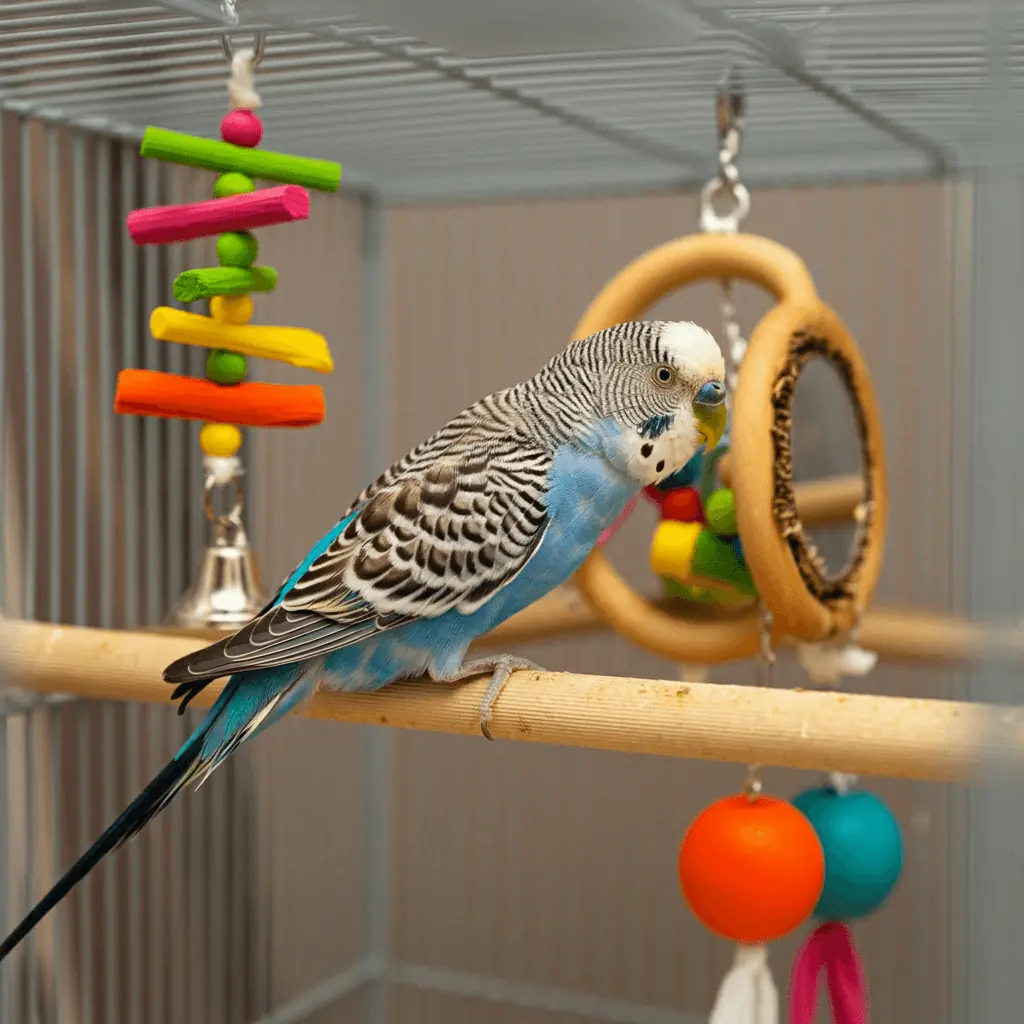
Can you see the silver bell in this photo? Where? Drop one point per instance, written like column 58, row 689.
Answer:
column 226, row 593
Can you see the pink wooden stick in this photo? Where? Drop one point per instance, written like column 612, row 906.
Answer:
column 161, row 225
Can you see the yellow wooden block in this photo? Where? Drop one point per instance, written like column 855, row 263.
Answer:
column 231, row 309
column 295, row 345
column 672, row 548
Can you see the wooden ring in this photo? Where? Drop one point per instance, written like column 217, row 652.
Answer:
column 696, row 258
column 636, row 287
column 792, row 580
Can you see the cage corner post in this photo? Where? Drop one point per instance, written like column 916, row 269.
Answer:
column 995, row 818
column 378, row 741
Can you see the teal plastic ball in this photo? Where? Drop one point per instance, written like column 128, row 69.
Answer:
column 863, row 851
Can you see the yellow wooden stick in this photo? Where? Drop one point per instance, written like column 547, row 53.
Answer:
column 295, row 345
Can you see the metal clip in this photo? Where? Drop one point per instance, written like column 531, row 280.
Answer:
column 730, row 118
column 730, row 114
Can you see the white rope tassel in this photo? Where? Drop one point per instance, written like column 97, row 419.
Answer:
column 242, row 83
column 747, row 994
column 223, row 469
column 827, row 664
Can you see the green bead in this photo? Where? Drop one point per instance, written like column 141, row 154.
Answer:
column 233, row 184
column 225, row 367
column 237, row 249
column 720, row 511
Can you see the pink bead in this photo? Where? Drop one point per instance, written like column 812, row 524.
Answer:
column 241, row 128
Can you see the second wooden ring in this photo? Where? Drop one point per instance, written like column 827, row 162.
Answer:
column 808, row 602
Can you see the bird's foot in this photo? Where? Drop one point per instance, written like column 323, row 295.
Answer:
column 501, row 666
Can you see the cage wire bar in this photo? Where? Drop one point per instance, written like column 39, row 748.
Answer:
column 415, row 121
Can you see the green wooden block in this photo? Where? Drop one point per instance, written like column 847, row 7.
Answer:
column 206, row 282
column 715, row 561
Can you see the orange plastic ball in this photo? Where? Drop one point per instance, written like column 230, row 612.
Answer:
column 751, row 870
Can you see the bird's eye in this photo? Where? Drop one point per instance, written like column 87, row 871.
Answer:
column 712, row 393
column 664, row 375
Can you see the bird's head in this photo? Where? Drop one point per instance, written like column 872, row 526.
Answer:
column 661, row 385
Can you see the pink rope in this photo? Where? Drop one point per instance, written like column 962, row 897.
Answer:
column 830, row 947
column 614, row 528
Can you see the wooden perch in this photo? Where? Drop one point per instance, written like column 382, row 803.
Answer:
column 896, row 736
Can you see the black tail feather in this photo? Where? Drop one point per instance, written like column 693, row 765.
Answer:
column 145, row 806
column 185, row 692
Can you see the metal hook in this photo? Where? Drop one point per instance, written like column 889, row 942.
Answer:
column 259, row 39
column 730, row 104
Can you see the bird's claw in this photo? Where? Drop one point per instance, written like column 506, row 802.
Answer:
column 500, row 667
column 504, row 667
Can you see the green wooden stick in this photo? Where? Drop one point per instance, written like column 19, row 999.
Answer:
column 176, row 148
column 205, row 283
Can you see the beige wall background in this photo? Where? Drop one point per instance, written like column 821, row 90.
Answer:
column 555, row 867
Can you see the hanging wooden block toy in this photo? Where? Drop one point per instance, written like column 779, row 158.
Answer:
column 226, row 593
column 696, row 548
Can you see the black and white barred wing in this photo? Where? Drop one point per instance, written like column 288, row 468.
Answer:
column 448, row 532
column 445, row 536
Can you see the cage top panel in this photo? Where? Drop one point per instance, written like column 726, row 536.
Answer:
column 448, row 99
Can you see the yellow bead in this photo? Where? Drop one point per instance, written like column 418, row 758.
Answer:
column 220, row 439
column 231, row 309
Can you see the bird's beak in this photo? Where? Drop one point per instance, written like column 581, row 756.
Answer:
column 711, row 420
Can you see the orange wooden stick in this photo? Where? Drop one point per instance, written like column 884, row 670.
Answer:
column 151, row 393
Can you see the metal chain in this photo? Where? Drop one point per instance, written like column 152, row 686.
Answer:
column 767, row 651
column 730, row 116
column 766, row 659
column 736, row 342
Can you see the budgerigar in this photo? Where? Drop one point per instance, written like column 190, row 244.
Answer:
column 489, row 514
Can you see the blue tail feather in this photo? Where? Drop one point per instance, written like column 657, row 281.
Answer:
column 247, row 705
